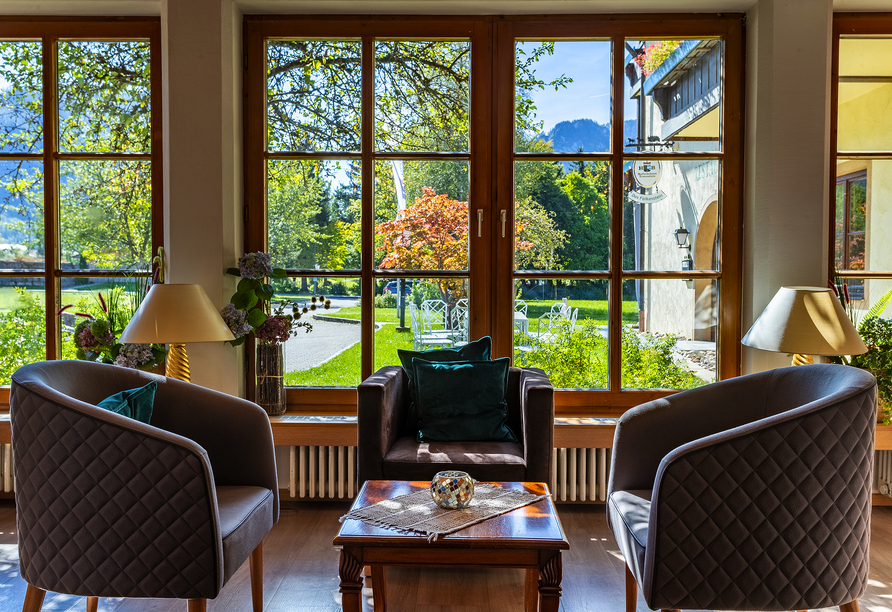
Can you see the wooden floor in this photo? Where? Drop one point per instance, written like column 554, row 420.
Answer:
column 301, row 572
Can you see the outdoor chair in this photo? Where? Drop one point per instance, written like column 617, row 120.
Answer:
column 422, row 339
column 108, row 506
column 388, row 449
column 753, row 493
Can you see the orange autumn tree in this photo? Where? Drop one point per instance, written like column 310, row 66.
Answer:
column 431, row 234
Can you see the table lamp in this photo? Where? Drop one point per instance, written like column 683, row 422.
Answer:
column 175, row 315
column 805, row 321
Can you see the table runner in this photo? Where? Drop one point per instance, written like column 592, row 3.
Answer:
column 418, row 513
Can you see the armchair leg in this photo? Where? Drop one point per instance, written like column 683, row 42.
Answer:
column 256, row 565
column 197, row 605
column 92, row 604
column 631, row 591
column 852, row 606
column 33, row 599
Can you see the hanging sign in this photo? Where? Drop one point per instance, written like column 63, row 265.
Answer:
column 647, row 174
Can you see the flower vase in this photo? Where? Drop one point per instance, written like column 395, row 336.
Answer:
column 270, row 390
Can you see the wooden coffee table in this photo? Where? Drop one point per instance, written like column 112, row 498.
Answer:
column 530, row 537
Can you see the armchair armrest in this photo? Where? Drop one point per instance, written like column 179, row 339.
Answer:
column 647, row 433
column 380, row 400
column 235, row 433
column 537, row 414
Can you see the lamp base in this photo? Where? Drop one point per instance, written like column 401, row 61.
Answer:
column 800, row 359
column 178, row 363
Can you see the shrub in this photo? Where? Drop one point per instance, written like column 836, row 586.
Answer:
column 22, row 334
column 578, row 359
column 385, row 300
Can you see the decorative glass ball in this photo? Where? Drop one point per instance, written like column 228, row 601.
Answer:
column 452, row 490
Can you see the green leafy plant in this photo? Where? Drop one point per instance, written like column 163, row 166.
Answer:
column 250, row 308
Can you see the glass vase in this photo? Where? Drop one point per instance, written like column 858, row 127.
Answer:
column 270, row 390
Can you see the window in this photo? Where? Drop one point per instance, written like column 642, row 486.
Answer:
column 441, row 180
column 79, row 156
column 862, row 160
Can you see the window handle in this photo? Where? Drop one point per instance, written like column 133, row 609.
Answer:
column 479, row 222
column 503, row 216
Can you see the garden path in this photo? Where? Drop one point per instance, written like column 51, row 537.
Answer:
column 327, row 340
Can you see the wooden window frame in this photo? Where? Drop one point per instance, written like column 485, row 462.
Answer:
column 49, row 31
column 492, row 189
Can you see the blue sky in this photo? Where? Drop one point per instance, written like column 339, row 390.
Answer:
column 588, row 96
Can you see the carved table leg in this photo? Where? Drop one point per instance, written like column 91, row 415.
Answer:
column 550, row 575
column 350, row 571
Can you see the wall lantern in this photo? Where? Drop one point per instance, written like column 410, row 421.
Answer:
column 681, row 238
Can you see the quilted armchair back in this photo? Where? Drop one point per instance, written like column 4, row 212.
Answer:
column 774, row 512
column 105, row 505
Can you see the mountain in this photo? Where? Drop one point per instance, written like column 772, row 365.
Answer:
column 589, row 135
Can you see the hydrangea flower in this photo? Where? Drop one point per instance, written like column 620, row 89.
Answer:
column 237, row 320
column 274, row 330
column 134, row 355
column 255, row 265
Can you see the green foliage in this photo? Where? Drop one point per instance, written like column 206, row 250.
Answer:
column 876, row 333
column 577, row 358
column 22, row 334
column 385, row 300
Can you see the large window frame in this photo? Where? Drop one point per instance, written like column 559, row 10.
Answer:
column 491, row 158
column 850, row 25
column 49, row 31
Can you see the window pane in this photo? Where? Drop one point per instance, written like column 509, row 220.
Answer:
column 422, row 95
column 22, row 324
column 104, row 96
column 105, row 209
column 313, row 213
column 329, row 354
column 561, row 215
column 21, row 84
column 561, row 327
column 857, row 204
column 21, row 215
column 682, row 93
column 868, row 209
column 421, row 214
column 314, row 95
column 663, row 200
column 864, row 87
column 674, row 344
column 562, row 96
column 420, row 314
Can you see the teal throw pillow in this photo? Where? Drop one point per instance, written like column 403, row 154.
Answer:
column 462, row 401
column 478, row 350
column 134, row 403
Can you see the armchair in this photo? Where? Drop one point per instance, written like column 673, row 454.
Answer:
column 107, row 506
column 388, row 449
column 753, row 493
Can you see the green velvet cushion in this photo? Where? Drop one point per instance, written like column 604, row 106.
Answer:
column 134, row 403
column 462, row 401
column 478, row 350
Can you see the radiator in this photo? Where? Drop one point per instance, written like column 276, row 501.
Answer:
column 882, row 469
column 580, row 474
column 322, row 472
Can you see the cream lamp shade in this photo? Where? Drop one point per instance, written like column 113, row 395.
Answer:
column 805, row 321
column 176, row 314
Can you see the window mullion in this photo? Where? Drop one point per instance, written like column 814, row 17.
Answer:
column 51, row 263
column 367, row 280
column 615, row 300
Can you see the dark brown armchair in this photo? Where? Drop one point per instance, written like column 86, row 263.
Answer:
column 752, row 493
column 388, row 449
column 108, row 506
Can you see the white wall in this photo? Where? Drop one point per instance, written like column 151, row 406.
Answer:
column 786, row 155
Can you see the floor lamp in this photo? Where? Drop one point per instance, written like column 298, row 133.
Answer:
column 805, row 321
column 175, row 315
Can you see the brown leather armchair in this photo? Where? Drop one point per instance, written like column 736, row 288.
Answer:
column 107, row 506
column 388, row 449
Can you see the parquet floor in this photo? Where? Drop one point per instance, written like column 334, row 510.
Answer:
column 301, row 572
